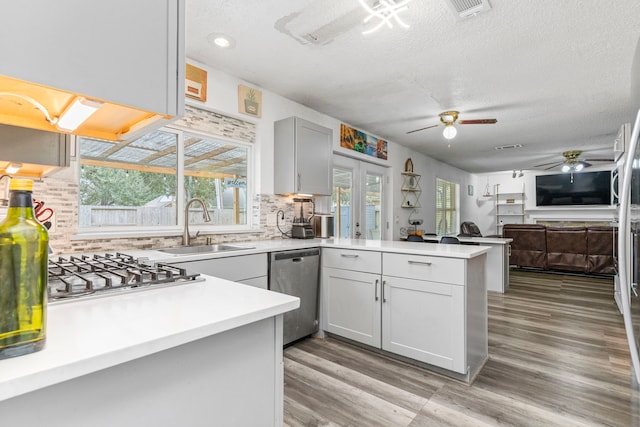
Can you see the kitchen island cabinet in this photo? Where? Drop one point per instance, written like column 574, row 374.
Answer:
column 191, row 354
column 351, row 288
column 434, row 310
column 429, row 305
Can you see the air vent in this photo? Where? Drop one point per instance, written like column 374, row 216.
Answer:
column 469, row 8
column 506, row 147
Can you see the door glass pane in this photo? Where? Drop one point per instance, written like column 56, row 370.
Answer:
column 341, row 202
column 373, row 207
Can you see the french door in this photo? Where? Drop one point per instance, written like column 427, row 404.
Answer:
column 357, row 199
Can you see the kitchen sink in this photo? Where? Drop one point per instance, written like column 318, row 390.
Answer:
column 202, row 249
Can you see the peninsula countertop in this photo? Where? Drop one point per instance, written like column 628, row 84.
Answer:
column 132, row 325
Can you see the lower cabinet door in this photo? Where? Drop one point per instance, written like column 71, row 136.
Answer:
column 352, row 305
column 424, row 321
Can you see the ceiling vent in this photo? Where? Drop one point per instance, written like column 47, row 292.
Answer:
column 322, row 21
column 464, row 9
column 506, row 147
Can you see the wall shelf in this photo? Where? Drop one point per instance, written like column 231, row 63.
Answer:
column 411, row 190
column 509, row 207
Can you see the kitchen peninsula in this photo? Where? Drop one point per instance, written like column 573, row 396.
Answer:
column 193, row 353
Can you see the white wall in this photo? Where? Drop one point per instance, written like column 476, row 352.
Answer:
column 222, row 96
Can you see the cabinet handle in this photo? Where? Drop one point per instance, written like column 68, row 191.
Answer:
column 508, row 250
column 419, row 262
column 299, row 183
column 377, row 281
column 349, row 256
column 384, row 299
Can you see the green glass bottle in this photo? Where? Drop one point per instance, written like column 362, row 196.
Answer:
column 23, row 274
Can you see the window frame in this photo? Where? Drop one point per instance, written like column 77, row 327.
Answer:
column 115, row 231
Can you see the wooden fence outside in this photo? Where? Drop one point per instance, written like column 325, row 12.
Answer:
column 104, row 216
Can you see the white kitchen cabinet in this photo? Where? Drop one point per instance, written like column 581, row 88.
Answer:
column 432, row 309
column 351, row 294
column 123, row 52
column 352, row 301
column 302, row 158
column 248, row 269
column 424, row 320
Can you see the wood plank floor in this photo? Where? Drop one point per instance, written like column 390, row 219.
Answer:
column 557, row 357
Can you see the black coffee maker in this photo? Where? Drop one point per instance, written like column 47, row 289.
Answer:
column 302, row 228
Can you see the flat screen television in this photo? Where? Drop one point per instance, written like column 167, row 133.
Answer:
column 586, row 188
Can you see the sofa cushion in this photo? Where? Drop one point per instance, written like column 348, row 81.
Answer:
column 602, row 244
column 567, row 248
column 529, row 246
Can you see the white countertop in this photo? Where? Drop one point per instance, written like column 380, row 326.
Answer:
column 89, row 335
column 262, row 246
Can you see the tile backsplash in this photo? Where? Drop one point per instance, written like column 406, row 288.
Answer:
column 61, row 194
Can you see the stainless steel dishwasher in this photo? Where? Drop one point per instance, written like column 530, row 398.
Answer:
column 297, row 273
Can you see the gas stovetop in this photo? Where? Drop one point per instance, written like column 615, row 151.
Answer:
column 82, row 276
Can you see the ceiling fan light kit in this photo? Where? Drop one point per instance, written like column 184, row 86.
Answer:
column 449, row 131
column 571, row 163
column 449, row 118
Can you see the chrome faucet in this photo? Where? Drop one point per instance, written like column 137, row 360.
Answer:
column 186, row 238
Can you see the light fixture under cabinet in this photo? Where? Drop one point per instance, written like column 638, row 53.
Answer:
column 34, row 106
column 77, row 113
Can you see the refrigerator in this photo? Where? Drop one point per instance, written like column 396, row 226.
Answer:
column 626, row 282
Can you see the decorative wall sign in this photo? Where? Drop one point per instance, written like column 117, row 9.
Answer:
column 235, row 182
column 353, row 139
column 249, row 101
column 196, row 83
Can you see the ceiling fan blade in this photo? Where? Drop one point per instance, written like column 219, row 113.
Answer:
column 598, row 160
column 547, row 164
column 585, row 164
column 478, row 122
column 418, row 130
column 553, row 166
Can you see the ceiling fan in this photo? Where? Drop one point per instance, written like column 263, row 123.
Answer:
column 571, row 162
column 449, row 118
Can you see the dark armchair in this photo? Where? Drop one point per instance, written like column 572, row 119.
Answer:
column 469, row 229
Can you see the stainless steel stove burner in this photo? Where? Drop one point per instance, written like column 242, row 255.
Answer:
column 93, row 275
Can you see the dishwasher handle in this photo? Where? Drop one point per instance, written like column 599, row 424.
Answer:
column 295, row 256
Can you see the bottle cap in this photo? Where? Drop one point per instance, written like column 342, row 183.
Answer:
column 21, row 184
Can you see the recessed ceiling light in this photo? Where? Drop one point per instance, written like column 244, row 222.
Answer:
column 221, row 40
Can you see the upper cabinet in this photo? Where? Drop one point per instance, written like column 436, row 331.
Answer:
column 125, row 57
column 302, row 157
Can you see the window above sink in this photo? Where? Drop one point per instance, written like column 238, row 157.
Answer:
column 143, row 185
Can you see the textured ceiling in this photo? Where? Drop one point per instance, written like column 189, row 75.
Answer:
column 556, row 74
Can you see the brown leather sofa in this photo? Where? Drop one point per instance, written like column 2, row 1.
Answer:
column 578, row 249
